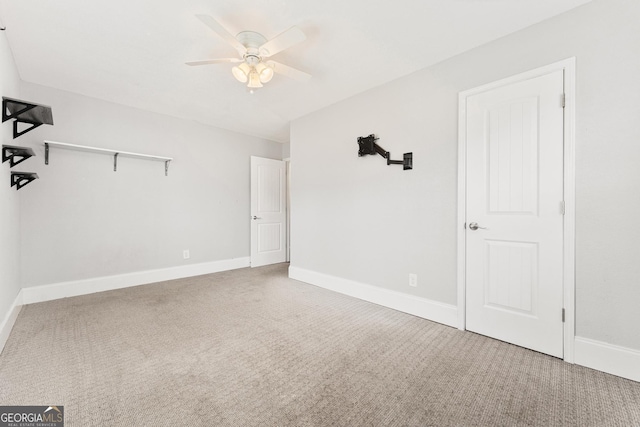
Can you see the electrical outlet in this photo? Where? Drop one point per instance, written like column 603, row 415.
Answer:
column 185, row 254
column 413, row 280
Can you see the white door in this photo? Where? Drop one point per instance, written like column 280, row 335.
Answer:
column 268, row 211
column 514, row 217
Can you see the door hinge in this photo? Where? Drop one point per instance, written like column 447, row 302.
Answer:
column 563, row 208
column 564, row 100
column 563, row 315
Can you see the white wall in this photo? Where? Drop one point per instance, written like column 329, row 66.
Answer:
column 9, row 207
column 286, row 150
column 358, row 219
column 82, row 220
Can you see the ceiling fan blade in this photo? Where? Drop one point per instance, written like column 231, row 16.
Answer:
column 213, row 61
column 222, row 32
column 282, row 41
column 290, row 72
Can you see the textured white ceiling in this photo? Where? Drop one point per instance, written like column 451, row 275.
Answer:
column 133, row 52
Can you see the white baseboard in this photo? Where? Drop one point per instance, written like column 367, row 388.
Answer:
column 10, row 320
column 431, row 310
column 53, row 291
column 621, row 361
column 616, row 360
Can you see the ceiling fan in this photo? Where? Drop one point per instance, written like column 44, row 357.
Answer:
column 254, row 49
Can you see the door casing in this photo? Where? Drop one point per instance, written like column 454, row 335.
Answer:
column 568, row 67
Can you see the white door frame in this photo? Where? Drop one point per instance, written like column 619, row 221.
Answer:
column 287, row 161
column 569, row 68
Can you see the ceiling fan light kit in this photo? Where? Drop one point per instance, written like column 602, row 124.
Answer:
column 265, row 72
column 241, row 72
column 254, row 80
column 255, row 75
column 254, row 48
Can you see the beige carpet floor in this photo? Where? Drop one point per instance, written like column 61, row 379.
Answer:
column 253, row 348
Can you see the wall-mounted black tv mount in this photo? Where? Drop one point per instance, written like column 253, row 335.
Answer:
column 367, row 145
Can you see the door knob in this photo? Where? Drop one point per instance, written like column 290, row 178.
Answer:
column 474, row 226
column 256, row 217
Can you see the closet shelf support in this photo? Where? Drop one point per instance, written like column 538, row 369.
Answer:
column 26, row 113
column 20, row 179
column 16, row 155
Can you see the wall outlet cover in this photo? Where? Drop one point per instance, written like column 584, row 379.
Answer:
column 413, row 280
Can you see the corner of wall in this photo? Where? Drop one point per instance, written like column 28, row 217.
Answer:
column 9, row 206
column 9, row 320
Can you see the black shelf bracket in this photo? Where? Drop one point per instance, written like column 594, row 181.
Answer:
column 16, row 155
column 20, row 179
column 26, row 113
column 368, row 145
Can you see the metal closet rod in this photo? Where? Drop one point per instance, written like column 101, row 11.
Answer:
column 114, row 153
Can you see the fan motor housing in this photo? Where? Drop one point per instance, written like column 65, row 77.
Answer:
column 251, row 39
